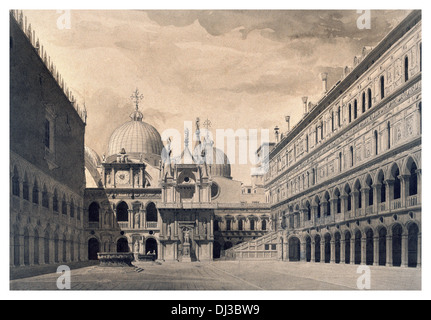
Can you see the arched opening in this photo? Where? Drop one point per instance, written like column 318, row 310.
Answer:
column 347, row 248
column 35, row 192
column 376, row 143
column 389, row 135
column 337, row 247
column 294, row 249
column 318, row 208
column 358, row 189
column 350, row 113
column 122, row 212
column 216, row 250
column 370, row 99
column 16, row 249
column 55, row 201
column 93, row 212
column 25, row 188
column 56, row 244
column 46, row 248
column 45, row 198
column 93, row 249
column 364, row 100
column 352, row 160
column 151, row 212
column 369, row 247
column 240, row 224
column 317, row 248
column 381, row 180
column 382, row 246
column 358, row 242
column 406, row 69
column 348, row 192
column 263, row 225
column 397, row 232
column 26, row 248
column 308, row 249
column 252, row 224
column 369, row 183
column 36, row 248
column 413, row 180
column 397, row 182
column 123, row 245
column 340, row 163
column 355, row 109
column 328, row 204
column 413, row 245
column 308, row 210
column 15, row 182
column 338, row 198
column 151, row 247
column 327, row 248
column 64, row 206
column 72, row 209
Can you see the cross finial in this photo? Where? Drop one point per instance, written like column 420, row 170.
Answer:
column 136, row 97
column 207, row 124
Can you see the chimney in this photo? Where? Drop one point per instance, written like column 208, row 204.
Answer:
column 324, row 77
column 277, row 134
column 304, row 100
column 288, row 123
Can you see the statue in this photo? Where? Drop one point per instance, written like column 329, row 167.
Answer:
column 137, row 219
column 136, row 247
column 186, row 236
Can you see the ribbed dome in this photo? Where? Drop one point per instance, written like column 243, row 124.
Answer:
column 91, row 157
column 136, row 136
column 215, row 158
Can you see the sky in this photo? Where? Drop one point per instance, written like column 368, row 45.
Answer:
column 242, row 69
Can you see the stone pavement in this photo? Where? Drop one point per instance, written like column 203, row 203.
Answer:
column 227, row 275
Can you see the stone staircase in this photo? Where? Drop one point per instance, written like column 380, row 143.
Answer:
column 263, row 248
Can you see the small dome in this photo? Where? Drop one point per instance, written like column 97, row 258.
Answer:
column 91, row 157
column 216, row 159
column 137, row 137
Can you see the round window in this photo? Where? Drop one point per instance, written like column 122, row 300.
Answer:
column 215, row 190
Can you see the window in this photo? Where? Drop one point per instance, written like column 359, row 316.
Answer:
column 371, row 193
column 389, row 135
column 364, row 100
column 64, row 206
column 306, row 143
column 45, row 199
column 406, row 69
column 376, row 143
column 264, row 225
column 47, row 141
column 55, row 201
column 340, row 163
column 332, row 122
column 382, row 87
column 252, row 225
column 93, row 212
column 228, row 225
column 15, row 183
column 413, row 180
column 72, row 209
column 370, row 99
column 339, row 116
column 351, row 157
column 317, row 135
column 35, row 193
column 397, row 185
column 350, row 113
column 240, row 225
column 122, row 212
column 25, row 189
column 318, row 208
column 349, row 199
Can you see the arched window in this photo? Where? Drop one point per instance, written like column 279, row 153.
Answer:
column 55, row 201
column 376, row 142
column 321, row 130
column 317, row 134
column 151, row 212
column 93, row 212
column 337, row 196
column 318, row 208
column 328, row 205
column 389, row 135
column 35, row 193
column 240, row 225
column 371, row 192
column 359, row 190
column 349, row 198
column 382, row 87
column 420, row 57
column 351, row 157
column 72, row 209
column 406, row 69
column 370, row 99
column 45, row 198
column 339, row 116
column 264, row 225
column 350, row 113
column 383, row 189
column 25, row 188
column 252, row 225
column 64, row 206
column 340, row 163
column 364, row 100
column 229, row 225
column 15, row 182
column 306, row 145
column 397, row 185
column 413, row 180
column 122, row 212
column 332, row 122
column 355, row 109
column 122, row 245
column 308, row 211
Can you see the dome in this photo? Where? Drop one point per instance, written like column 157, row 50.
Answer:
column 216, row 159
column 91, row 157
column 136, row 136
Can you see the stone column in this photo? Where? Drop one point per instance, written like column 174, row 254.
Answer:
column 389, row 192
column 419, row 177
column 332, row 259
column 404, row 250
column 352, row 250
column 376, row 251
column 313, row 251
column 342, row 251
column 333, row 207
column 377, row 197
column 322, row 250
column 389, row 251
column 405, row 188
column 344, row 199
column 365, row 196
column 419, row 256
column 303, row 253
column 355, row 203
column 364, row 250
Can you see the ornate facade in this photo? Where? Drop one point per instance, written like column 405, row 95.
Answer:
column 345, row 183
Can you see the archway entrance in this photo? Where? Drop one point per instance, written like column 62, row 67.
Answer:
column 151, row 247
column 382, row 246
column 413, row 245
column 370, row 247
column 93, row 249
column 122, row 245
column 347, row 247
column 294, row 249
column 327, row 248
column 317, row 248
column 308, row 249
column 358, row 241
column 337, row 248
column 397, row 232
column 216, row 250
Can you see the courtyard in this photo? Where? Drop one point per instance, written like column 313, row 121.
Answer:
column 227, row 275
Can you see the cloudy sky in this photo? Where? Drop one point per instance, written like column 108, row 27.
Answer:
column 240, row 69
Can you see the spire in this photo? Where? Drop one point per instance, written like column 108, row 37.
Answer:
column 136, row 97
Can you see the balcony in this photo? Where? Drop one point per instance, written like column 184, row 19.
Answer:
column 396, row 204
column 412, row 201
column 152, row 225
column 383, row 206
column 123, row 224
